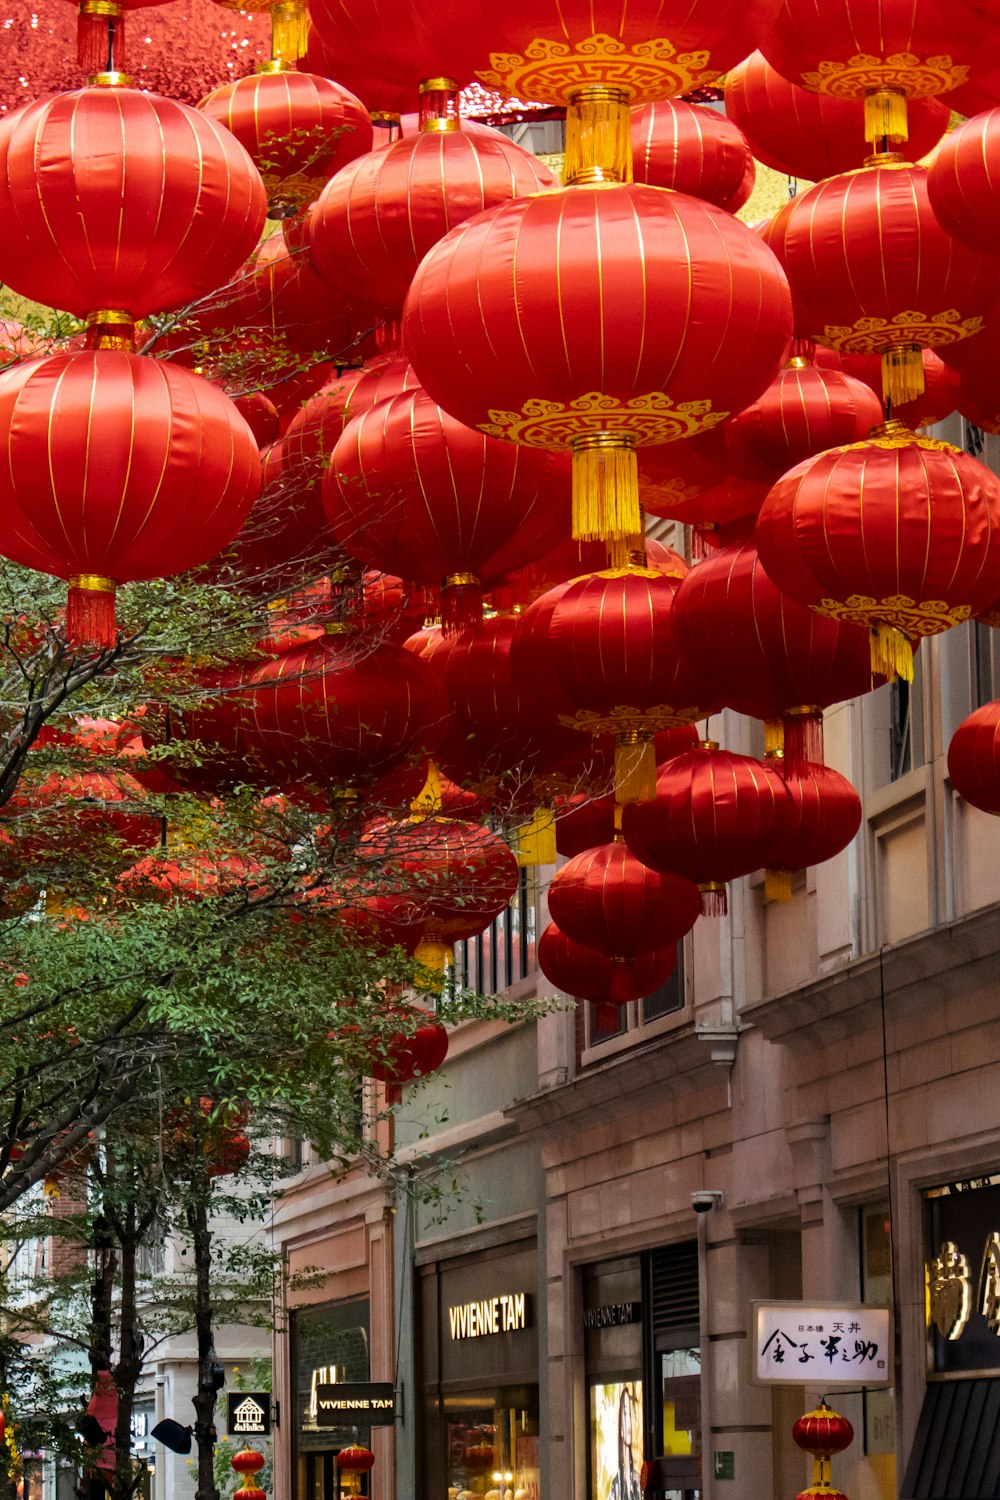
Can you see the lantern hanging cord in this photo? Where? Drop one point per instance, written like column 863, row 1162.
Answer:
column 408, row 1272
column 888, row 1145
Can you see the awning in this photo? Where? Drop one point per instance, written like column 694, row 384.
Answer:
column 956, row 1450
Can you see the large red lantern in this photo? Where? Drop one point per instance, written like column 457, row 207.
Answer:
column 694, row 149
column 381, row 51
column 608, row 983
column 355, row 1460
column 805, row 410
column 884, row 52
column 124, row 203
column 576, row 320
column 116, row 467
column 826, row 818
column 900, row 533
column 608, row 900
column 610, row 642
column 716, row 816
column 809, row 135
column 280, row 297
column 584, row 820
column 767, row 655
column 414, row 492
column 974, row 759
column 835, row 242
column 375, row 220
column 963, row 181
column 312, row 433
column 404, row 1056
column 298, row 128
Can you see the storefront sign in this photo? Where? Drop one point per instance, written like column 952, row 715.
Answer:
column 821, row 1343
column 475, row 1320
column 963, row 1275
column 372, row 1404
column 249, row 1413
column 613, row 1315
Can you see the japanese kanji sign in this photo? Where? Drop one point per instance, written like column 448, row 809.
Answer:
column 821, row 1343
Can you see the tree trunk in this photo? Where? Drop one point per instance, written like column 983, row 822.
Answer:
column 205, row 1399
column 123, row 1483
column 91, row 1485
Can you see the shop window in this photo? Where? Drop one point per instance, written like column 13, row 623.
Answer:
column 505, row 952
column 492, row 1442
column 330, row 1344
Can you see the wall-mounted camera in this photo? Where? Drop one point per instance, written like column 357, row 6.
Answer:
column 705, row 1199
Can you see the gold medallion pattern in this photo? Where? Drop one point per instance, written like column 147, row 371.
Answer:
column 625, row 720
column 873, row 335
column 918, row 78
column 549, row 71
column 653, row 418
column 910, row 618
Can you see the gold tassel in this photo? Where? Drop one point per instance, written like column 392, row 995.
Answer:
column 774, row 737
column 902, row 374
column 536, row 841
column 885, row 115
column 892, row 654
column 428, row 799
column 432, row 958
column 605, row 488
column 777, row 885
column 635, row 768
column 289, row 30
column 598, row 136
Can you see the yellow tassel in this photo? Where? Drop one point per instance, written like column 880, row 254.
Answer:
column 605, row 488
column 774, row 737
column 777, row 885
column 902, row 374
column 635, row 769
column 892, row 654
column 598, row 136
column 432, row 958
column 885, row 115
column 289, row 30
column 428, row 799
column 536, row 841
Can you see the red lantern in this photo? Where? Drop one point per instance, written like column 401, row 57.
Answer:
column 964, row 183
column 313, row 432
column 803, row 134
column 414, row 492
column 280, row 298
column 974, row 759
column 716, row 816
column 804, row 411
column 122, row 201
column 375, row 221
column 823, row 1432
column 355, row 1460
column 404, row 1056
column 247, row 1461
column 366, row 917
column 899, row 533
column 692, row 149
column 260, row 415
column 177, row 474
column 606, row 899
column 610, row 642
column 587, row 974
column 827, row 816
column 767, row 655
column 882, row 51
column 584, row 820
column 69, row 811
column 569, row 320
column 298, row 128
column 190, row 874
column 341, row 710
column 836, row 240
column 382, row 51
column 941, row 383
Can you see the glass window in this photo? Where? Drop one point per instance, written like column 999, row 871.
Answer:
column 505, row 952
column 492, row 1444
column 906, row 725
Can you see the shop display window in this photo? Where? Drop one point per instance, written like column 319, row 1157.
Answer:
column 492, row 1445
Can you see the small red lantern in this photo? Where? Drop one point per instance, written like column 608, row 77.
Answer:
column 827, row 816
column 804, row 411
column 479, row 1457
column 716, row 816
column 355, row 1460
column 694, row 149
column 823, row 1432
column 404, row 1056
column 974, row 759
column 312, row 433
column 607, row 899
column 247, row 1461
column 607, row 983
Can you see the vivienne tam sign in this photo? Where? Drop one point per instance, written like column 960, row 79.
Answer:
column 367, row 1404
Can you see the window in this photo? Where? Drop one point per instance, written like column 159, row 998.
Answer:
column 593, row 1028
column 906, row 724
column 985, row 684
column 505, row 952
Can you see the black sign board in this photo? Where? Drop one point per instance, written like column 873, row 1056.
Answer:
column 371, row 1404
column 612, row 1315
column 249, row 1413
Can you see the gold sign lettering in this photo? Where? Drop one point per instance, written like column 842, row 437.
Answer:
column 950, row 1291
column 476, row 1320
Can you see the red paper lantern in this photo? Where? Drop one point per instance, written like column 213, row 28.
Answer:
column 827, row 817
column 716, row 816
column 884, row 52
column 803, row 134
column 122, row 201
column 610, row 642
column 804, row 411
column 570, row 320
column 313, row 432
column 298, row 128
column 607, row 899
column 177, row 475
column 941, row 383
column 248, row 1461
column 692, row 149
column 281, row 298
column 974, row 759
column 963, row 181
column 585, row 820
column 835, row 242
column 414, row 492
column 823, row 1432
column 260, row 415
column 586, row 974
column 899, row 533
column 355, row 1460
column 404, row 1056
column 381, row 51
column 767, row 655
column 375, row 221
column 192, row 874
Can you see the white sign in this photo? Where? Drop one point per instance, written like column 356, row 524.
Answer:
column 821, row 1343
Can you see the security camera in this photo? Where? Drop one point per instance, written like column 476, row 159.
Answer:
column 706, row 1199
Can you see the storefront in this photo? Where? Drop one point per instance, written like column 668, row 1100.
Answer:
column 643, row 1374
column 478, row 1371
column 329, row 1345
